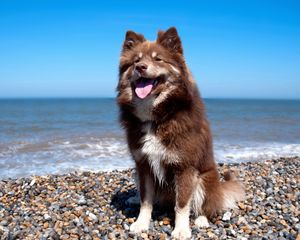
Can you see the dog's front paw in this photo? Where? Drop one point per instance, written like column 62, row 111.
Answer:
column 181, row 233
column 139, row 226
column 202, row 222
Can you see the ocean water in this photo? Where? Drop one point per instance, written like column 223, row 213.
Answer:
column 42, row 136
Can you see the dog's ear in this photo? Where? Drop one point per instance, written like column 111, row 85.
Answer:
column 132, row 39
column 170, row 40
column 159, row 34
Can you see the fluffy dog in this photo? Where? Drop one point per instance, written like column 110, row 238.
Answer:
column 168, row 134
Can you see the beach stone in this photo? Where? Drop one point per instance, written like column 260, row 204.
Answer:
column 241, row 220
column 32, row 182
column 211, row 235
column 92, row 205
column 125, row 226
column 226, row 216
column 81, row 200
column 4, row 223
column 144, row 235
column 166, row 221
column 47, row 217
column 162, row 236
column 241, row 205
column 166, row 230
column 269, row 191
column 93, row 217
column 46, row 225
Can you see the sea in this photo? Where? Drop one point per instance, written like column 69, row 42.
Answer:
column 55, row 136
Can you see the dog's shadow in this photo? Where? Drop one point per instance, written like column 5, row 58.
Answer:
column 129, row 203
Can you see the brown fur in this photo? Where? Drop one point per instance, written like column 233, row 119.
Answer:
column 178, row 122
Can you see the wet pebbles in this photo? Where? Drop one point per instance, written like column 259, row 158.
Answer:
column 103, row 205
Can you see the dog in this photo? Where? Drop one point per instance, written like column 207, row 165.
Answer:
column 168, row 134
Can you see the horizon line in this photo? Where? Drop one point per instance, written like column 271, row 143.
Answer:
column 111, row 97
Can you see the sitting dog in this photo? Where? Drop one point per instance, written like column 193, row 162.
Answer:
column 168, row 134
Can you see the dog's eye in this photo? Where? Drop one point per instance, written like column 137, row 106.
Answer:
column 158, row 59
column 136, row 60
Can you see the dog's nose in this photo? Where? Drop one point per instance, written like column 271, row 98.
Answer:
column 141, row 67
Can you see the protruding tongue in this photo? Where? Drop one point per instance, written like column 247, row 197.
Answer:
column 143, row 88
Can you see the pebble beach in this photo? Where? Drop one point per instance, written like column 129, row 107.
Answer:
column 102, row 205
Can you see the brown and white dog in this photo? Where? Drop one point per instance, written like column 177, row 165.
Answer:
column 168, row 134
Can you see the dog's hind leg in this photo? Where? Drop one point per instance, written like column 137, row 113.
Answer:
column 184, row 182
column 197, row 202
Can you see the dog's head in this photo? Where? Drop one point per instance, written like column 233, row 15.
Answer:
column 152, row 71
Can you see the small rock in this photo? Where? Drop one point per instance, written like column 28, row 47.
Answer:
column 47, row 217
column 232, row 232
column 93, row 217
column 4, row 223
column 111, row 236
column 11, row 193
column 125, row 226
column 167, row 230
column 241, row 220
column 226, row 216
column 46, row 225
column 166, row 221
column 162, row 236
column 211, row 235
column 144, row 235
column 81, row 200
column 241, row 205
column 269, row 191
column 32, row 182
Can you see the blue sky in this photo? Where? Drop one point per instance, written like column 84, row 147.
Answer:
column 235, row 49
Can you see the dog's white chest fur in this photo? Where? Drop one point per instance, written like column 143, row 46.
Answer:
column 156, row 153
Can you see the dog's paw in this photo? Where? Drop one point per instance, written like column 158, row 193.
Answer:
column 202, row 222
column 139, row 226
column 182, row 233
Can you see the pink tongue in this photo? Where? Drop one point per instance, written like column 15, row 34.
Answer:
column 143, row 88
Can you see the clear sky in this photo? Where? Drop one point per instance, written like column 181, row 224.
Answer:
column 248, row 49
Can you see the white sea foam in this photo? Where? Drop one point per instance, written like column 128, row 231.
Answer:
column 105, row 154
column 254, row 151
column 63, row 156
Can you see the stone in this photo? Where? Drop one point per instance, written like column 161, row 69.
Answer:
column 47, row 217
column 166, row 221
column 95, row 204
column 81, row 200
column 144, row 235
column 241, row 205
column 226, row 216
column 93, row 217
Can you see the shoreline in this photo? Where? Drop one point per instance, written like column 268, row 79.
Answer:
column 94, row 205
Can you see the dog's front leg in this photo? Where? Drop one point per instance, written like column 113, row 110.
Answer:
column 184, row 189
column 146, row 195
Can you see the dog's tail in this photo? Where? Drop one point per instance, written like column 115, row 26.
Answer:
column 232, row 190
column 213, row 195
